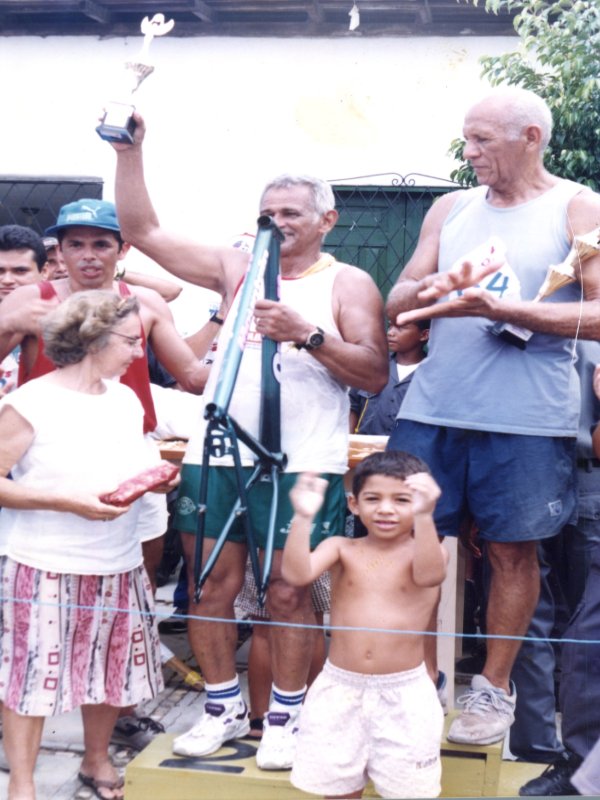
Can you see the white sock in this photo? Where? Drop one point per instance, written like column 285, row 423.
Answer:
column 290, row 702
column 228, row 693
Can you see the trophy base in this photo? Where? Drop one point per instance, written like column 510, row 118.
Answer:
column 512, row 334
column 117, row 123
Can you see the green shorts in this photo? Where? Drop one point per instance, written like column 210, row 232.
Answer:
column 222, row 495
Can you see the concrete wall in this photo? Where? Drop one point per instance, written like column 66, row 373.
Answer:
column 226, row 114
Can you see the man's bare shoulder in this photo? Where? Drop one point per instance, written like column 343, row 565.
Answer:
column 154, row 311
column 586, row 194
column 443, row 205
column 146, row 296
column 351, row 276
column 349, row 270
column 584, row 211
column 424, row 259
column 364, row 317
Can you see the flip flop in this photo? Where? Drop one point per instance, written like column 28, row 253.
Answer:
column 96, row 785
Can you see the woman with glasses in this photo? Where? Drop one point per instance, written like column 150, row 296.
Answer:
column 76, row 604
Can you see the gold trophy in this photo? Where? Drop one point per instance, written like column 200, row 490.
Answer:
column 117, row 124
column 557, row 276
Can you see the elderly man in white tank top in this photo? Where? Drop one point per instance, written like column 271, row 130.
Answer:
column 329, row 322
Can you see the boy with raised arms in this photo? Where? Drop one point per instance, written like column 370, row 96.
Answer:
column 373, row 712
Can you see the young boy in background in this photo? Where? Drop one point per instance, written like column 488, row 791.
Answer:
column 375, row 414
column 373, row 712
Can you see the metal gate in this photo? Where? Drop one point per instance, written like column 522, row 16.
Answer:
column 379, row 225
column 35, row 201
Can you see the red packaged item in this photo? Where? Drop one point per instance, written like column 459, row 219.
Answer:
column 135, row 487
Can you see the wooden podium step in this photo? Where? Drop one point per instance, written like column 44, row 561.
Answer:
column 229, row 774
column 232, row 774
column 470, row 770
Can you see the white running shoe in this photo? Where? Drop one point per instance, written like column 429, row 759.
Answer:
column 218, row 724
column 488, row 714
column 278, row 744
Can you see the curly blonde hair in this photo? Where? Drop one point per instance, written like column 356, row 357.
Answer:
column 82, row 324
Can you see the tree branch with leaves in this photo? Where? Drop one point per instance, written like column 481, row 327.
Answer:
column 558, row 60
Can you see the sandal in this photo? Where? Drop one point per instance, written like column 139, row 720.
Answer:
column 96, row 785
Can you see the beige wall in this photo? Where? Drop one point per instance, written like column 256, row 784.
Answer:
column 225, row 114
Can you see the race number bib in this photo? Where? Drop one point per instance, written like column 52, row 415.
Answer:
column 504, row 283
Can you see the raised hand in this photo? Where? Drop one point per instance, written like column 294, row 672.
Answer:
column 138, row 133
column 307, row 495
column 425, row 492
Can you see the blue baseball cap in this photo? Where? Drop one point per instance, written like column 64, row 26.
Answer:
column 87, row 212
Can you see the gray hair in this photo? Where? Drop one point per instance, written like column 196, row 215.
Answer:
column 82, row 324
column 321, row 191
column 524, row 108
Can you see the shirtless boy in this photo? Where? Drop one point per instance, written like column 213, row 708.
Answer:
column 373, row 712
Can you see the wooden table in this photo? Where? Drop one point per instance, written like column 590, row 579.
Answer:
column 359, row 447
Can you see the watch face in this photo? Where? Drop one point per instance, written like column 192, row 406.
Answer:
column 316, row 339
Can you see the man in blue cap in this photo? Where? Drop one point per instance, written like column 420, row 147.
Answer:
column 92, row 247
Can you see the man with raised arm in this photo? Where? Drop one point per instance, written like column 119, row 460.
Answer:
column 330, row 325
column 496, row 423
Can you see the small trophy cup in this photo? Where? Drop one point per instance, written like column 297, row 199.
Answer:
column 117, row 124
column 558, row 275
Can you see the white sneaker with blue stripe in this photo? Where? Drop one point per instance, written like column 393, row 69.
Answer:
column 219, row 724
column 278, row 744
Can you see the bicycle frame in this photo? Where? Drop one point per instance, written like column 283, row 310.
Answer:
column 223, row 433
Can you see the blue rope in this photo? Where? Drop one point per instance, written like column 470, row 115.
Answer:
column 272, row 623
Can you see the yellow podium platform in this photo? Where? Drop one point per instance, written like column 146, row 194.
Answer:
column 232, row 774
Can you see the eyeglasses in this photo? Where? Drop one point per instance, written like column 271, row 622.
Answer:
column 134, row 341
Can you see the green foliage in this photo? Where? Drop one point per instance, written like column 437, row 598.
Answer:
column 558, row 59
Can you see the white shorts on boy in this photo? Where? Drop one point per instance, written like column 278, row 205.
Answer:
column 384, row 727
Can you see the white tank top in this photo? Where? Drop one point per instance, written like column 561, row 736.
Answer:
column 314, row 404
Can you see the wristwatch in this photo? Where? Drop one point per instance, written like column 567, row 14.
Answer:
column 313, row 340
column 216, row 319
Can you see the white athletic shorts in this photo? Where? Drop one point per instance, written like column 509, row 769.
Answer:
column 354, row 727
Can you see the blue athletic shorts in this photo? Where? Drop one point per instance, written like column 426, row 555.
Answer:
column 222, row 495
column 515, row 488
